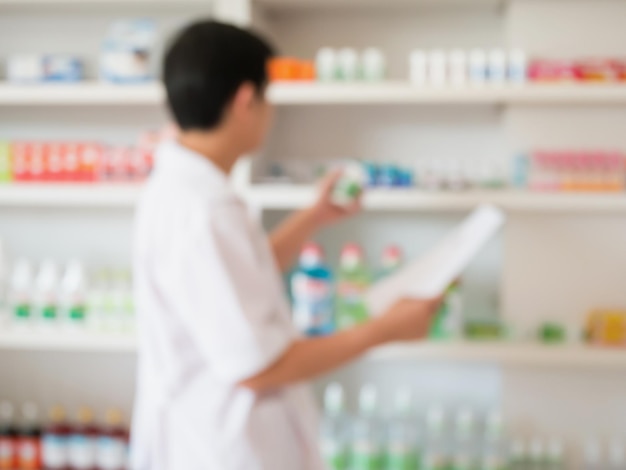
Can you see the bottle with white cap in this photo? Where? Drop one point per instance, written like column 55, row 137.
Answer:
column 348, row 64
column 367, row 439
column 495, row 452
column 46, row 292
column 617, row 454
column 437, row 67
column 497, row 66
column 465, row 447
column 402, row 436
column 477, row 67
column 592, row 457
column 517, row 455
column 326, row 64
column 458, row 68
column 556, row 455
column 373, row 65
column 537, row 453
column 334, row 434
column 418, row 68
column 436, row 454
column 20, row 291
column 73, row 294
column 517, row 66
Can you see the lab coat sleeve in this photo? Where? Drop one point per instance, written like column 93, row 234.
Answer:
column 235, row 307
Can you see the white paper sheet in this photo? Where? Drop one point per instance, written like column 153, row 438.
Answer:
column 431, row 274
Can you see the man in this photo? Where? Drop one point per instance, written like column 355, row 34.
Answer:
column 221, row 368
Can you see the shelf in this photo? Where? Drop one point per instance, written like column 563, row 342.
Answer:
column 286, row 197
column 504, row 354
column 68, row 195
column 17, row 340
column 85, row 93
column 286, row 94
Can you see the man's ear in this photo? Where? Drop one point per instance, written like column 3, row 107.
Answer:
column 244, row 98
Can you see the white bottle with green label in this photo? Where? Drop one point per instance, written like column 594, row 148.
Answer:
column 465, row 447
column 20, row 291
column 73, row 294
column 402, row 439
column 436, row 452
column 334, row 435
column 46, row 293
column 555, row 458
column 517, row 455
column 367, row 439
column 495, row 449
column 350, row 184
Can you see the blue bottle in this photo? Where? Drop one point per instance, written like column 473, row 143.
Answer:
column 312, row 293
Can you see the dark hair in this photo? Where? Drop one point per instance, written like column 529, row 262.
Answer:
column 205, row 66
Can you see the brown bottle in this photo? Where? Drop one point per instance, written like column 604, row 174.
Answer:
column 83, row 441
column 54, row 441
column 112, row 453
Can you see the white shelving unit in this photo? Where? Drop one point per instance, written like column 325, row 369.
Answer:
column 301, row 94
column 559, row 256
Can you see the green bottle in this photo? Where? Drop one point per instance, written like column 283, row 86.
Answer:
column 354, row 280
column 402, row 451
column 367, row 451
column 334, row 429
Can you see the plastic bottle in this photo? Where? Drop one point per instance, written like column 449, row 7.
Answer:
column 536, row 454
column 8, row 437
column 517, row 455
column 29, row 439
column 436, row 454
column 350, row 185
column 334, row 434
column 348, row 64
column 54, row 441
column 354, row 280
column 367, row 440
column 390, row 261
column 518, row 67
column 373, row 65
column 458, row 68
column 73, row 294
column 495, row 455
column 497, row 66
column 46, row 291
column 417, row 68
column 326, row 64
column 21, row 291
column 82, row 442
column 592, row 455
column 311, row 289
column 437, row 68
column 477, row 67
column 402, row 439
column 466, row 450
column 555, row 459
column 113, row 443
column 617, row 455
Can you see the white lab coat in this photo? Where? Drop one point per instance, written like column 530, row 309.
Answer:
column 211, row 312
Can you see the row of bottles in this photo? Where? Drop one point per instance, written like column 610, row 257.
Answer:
column 440, row 441
column 28, row 444
column 320, row 306
column 323, row 304
column 51, row 296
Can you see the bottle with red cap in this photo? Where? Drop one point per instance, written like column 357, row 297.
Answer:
column 312, row 293
column 390, row 261
column 354, row 280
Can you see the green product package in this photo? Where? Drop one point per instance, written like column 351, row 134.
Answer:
column 5, row 163
column 402, row 461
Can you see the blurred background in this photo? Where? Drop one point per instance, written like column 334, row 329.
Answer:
column 442, row 105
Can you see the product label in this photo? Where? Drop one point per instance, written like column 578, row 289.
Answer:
column 22, row 311
column 54, row 451
column 111, row 453
column 7, row 453
column 28, row 454
column 82, row 452
column 401, row 457
column 312, row 302
column 49, row 312
column 77, row 313
column 366, row 456
column 335, row 454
